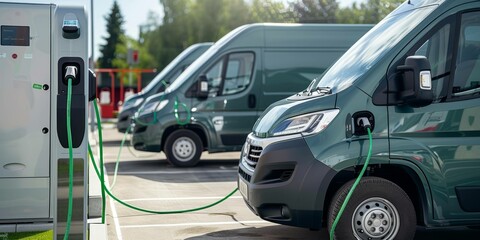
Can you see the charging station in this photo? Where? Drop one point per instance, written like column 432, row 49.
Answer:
column 41, row 45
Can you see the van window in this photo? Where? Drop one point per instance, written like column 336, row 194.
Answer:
column 238, row 73
column 214, row 77
column 235, row 78
column 436, row 50
column 466, row 79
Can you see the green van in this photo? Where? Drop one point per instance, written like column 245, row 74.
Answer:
column 216, row 101
column 414, row 81
column 159, row 83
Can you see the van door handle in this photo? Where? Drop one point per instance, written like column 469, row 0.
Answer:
column 252, row 101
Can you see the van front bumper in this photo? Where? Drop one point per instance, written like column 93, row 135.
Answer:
column 125, row 119
column 287, row 185
column 146, row 137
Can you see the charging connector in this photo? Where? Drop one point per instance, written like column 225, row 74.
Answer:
column 363, row 122
column 70, row 72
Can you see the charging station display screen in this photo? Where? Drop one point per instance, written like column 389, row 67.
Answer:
column 15, row 35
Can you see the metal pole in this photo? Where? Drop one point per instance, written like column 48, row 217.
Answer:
column 92, row 66
column 92, row 63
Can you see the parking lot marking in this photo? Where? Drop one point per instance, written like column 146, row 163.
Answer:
column 114, row 212
column 197, row 224
column 178, row 199
column 173, row 172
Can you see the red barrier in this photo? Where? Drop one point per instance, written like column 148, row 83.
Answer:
column 112, row 97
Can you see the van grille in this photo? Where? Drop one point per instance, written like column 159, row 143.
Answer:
column 244, row 175
column 253, row 156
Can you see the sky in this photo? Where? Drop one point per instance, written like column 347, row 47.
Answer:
column 134, row 12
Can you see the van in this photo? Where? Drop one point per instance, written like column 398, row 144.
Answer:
column 216, row 101
column 159, row 83
column 414, row 82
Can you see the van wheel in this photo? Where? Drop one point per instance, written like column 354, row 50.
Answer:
column 378, row 209
column 183, row 148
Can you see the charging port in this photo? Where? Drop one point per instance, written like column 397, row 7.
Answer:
column 361, row 121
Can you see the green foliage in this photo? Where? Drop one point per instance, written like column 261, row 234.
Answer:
column 115, row 33
column 371, row 11
column 145, row 59
column 186, row 22
column 316, row 11
column 270, row 11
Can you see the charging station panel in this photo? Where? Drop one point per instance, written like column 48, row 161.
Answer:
column 38, row 43
column 25, row 100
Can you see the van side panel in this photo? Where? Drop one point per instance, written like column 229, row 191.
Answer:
column 289, row 71
column 443, row 138
column 324, row 36
column 296, row 56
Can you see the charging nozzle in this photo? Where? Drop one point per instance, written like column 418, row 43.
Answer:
column 363, row 122
column 70, row 72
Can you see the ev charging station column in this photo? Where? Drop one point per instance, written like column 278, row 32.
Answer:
column 69, row 53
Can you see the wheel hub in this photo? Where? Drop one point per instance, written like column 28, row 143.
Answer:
column 375, row 218
column 184, row 148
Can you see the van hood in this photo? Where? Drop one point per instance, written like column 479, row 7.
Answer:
column 133, row 101
column 287, row 108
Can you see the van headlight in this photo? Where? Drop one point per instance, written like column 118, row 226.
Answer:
column 306, row 124
column 152, row 107
column 246, row 147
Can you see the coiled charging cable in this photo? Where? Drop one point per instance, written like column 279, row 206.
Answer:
column 105, row 189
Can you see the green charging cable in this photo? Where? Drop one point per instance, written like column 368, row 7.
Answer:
column 350, row 193
column 102, row 173
column 177, row 117
column 105, row 189
column 154, row 121
column 147, row 210
column 118, row 157
column 70, row 158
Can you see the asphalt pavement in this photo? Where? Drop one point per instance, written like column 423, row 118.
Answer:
column 147, row 181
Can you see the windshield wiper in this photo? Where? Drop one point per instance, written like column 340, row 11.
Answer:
column 466, row 92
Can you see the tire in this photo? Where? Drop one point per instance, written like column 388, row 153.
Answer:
column 375, row 199
column 183, row 148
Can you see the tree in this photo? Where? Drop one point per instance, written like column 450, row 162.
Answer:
column 172, row 36
column 316, row 11
column 114, row 38
column 370, row 12
column 270, row 11
column 186, row 22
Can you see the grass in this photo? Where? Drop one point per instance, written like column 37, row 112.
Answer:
column 48, row 235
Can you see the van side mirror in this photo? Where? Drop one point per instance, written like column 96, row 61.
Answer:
column 202, row 87
column 416, row 88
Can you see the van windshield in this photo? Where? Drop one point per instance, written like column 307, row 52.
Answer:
column 374, row 45
column 192, row 69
